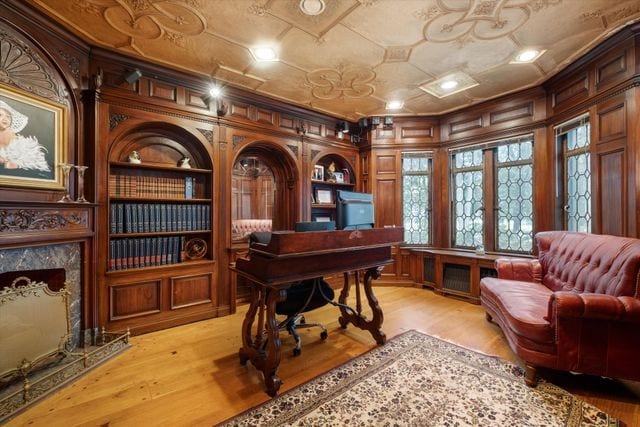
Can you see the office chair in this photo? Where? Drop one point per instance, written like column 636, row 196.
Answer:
column 302, row 297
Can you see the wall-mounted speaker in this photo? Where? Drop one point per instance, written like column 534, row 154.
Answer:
column 133, row 76
column 375, row 121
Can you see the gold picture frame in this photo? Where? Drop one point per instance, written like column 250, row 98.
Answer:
column 33, row 140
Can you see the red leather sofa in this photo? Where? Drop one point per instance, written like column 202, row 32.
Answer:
column 575, row 308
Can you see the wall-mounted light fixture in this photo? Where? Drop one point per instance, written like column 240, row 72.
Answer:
column 133, row 76
column 342, row 128
column 214, row 97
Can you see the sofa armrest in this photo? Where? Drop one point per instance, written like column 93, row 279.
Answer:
column 526, row 270
column 593, row 306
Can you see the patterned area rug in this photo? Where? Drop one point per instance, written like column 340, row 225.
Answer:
column 418, row 380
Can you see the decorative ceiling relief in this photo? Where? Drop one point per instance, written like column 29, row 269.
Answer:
column 350, row 82
column 481, row 19
column 349, row 58
column 172, row 21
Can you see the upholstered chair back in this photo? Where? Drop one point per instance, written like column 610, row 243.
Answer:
column 589, row 263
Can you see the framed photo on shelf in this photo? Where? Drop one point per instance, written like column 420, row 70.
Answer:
column 32, row 140
column 318, row 173
column 339, row 177
column 324, row 197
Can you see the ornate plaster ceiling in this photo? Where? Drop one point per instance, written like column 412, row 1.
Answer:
column 356, row 55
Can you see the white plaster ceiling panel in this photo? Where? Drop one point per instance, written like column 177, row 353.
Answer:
column 398, row 79
column 295, row 87
column 350, row 108
column 357, row 54
column 243, row 22
column 471, row 57
column 339, row 46
column 564, row 51
column 509, row 78
column 429, row 104
column 373, row 21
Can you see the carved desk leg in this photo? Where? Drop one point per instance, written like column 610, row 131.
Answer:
column 263, row 350
column 374, row 326
column 249, row 350
column 271, row 380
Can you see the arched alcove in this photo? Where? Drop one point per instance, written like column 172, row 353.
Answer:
column 264, row 179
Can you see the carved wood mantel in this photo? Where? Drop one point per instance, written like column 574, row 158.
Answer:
column 33, row 223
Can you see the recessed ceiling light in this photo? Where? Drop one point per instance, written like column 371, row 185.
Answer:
column 394, row 105
column 264, row 53
column 312, row 7
column 215, row 91
column 448, row 84
column 527, row 56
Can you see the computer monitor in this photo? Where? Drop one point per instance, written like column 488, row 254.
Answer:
column 315, row 226
column 354, row 210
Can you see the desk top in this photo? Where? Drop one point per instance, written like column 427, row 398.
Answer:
column 296, row 256
column 288, row 244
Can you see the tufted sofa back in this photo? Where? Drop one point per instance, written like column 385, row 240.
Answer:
column 241, row 228
column 589, row 263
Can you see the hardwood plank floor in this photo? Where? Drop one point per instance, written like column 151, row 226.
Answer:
column 190, row 375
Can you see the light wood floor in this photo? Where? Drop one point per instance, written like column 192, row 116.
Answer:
column 190, row 375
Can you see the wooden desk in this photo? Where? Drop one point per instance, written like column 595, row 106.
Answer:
column 290, row 257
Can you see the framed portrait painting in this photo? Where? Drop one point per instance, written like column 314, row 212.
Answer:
column 33, row 140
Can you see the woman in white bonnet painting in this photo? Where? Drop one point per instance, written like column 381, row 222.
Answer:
column 17, row 151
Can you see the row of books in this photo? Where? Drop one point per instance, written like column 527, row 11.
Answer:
column 158, row 217
column 152, row 187
column 145, row 252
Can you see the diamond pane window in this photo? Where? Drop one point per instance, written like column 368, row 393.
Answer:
column 514, row 197
column 574, row 142
column 468, row 193
column 416, row 201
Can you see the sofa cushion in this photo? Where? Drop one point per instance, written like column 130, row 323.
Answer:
column 523, row 304
column 591, row 263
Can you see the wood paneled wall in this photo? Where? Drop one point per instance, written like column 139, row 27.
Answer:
column 605, row 83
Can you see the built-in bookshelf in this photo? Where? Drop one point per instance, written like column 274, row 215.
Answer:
column 326, row 183
column 156, row 213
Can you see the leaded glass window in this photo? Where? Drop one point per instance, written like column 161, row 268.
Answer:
column 514, row 196
column 416, row 200
column 574, row 141
column 468, row 206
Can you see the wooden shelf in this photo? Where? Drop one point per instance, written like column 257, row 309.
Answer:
column 126, row 165
column 158, row 233
column 192, row 263
column 154, row 199
column 323, row 205
column 334, row 184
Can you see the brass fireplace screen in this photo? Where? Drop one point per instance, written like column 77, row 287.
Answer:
column 34, row 323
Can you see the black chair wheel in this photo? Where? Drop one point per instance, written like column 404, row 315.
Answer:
column 296, row 352
column 324, row 335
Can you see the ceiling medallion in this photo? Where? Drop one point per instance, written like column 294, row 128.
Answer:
column 312, row 7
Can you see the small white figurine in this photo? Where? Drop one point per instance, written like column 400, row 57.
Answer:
column 134, row 157
column 184, row 163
